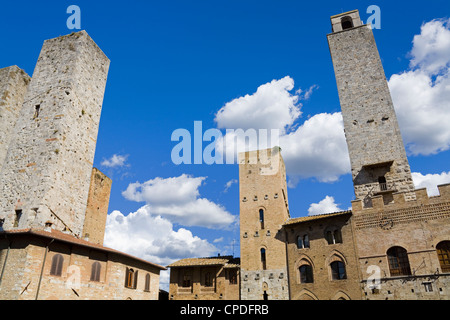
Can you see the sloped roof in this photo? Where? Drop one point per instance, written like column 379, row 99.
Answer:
column 226, row 261
column 316, row 217
column 68, row 238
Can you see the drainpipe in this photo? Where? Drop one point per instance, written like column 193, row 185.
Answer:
column 4, row 262
column 287, row 263
column 42, row 269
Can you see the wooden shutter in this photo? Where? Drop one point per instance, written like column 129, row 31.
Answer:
column 135, row 279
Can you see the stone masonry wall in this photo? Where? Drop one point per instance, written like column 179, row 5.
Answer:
column 319, row 255
column 417, row 226
column 13, row 87
column 22, row 278
column 370, row 122
column 48, row 167
column 97, row 207
column 262, row 178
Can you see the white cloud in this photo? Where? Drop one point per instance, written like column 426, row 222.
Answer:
column 422, row 95
column 115, row 161
column 229, row 184
column 272, row 106
column 431, row 47
column 430, row 181
column 153, row 238
column 327, row 205
column 317, row 148
column 177, row 199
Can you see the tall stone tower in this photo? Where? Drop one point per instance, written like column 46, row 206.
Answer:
column 13, row 87
column 377, row 154
column 46, row 174
column 263, row 210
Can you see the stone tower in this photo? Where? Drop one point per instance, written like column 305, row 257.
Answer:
column 13, row 87
column 263, row 210
column 377, row 154
column 46, row 175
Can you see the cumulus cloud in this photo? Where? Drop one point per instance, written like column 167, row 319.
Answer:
column 272, row 106
column 327, row 205
column 421, row 95
column 317, row 149
column 314, row 149
column 115, row 161
column 178, row 199
column 153, row 238
column 430, row 181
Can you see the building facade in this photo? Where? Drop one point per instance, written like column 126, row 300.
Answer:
column 394, row 244
column 212, row 278
column 53, row 203
column 52, row 265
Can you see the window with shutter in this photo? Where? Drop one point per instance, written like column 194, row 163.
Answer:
column 57, row 264
column 95, row 271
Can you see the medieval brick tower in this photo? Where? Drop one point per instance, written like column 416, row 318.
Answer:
column 263, row 210
column 46, row 173
column 377, row 154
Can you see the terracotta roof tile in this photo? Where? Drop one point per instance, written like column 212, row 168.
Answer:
column 316, row 217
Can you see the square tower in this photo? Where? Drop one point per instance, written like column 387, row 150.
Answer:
column 46, row 174
column 13, row 87
column 263, row 211
column 378, row 159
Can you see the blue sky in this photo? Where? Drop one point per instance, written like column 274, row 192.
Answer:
column 176, row 62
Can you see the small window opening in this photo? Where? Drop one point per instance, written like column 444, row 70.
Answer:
column 17, row 218
column 428, row 287
column 263, row 258
column 37, row 109
column 382, row 182
column 347, row 23
column 261, row 218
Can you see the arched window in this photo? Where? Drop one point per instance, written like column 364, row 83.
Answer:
column 306, row 274
column 303, row 241
column 95, row 271
column 131, row 278
column 147, row 282
column 338, row 270
column 57, row 264
column 443, row 252
column 333, row 236
column 346, row 23
column 398, row 261
column 261, row 218
column 263, row 258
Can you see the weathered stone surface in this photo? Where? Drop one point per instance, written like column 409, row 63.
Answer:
column 97, row 207
column 262, row 177
column 373, row 136
column 13, row 87
column 47, row 170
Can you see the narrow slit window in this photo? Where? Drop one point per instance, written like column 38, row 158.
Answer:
column 261, row 218
column 37, row 109
column 17, row 218
column 263, row 258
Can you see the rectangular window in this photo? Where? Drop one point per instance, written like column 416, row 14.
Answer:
column 17, row 218
column 428, row 286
